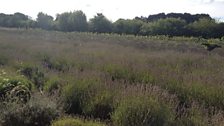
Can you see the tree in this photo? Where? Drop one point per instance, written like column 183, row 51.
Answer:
column 44, row 21
column 62, row 22
column 128, row 26
column 204, row 27
column 100, row 24
column 14, row 20
column 19, row 20
column 72, row 21
column 219, row 31
column 168, row 26
column 78, row 19
column 145, row 29
column 189, row 18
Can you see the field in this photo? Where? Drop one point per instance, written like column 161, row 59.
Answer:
column 60, row 79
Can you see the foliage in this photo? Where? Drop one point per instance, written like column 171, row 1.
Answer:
column 141, row 111
column 72, row 21
column 17, row 88
column 121, row 73
column 168, row 26
column 3, row 60
column 44, row 21
column 61, row 65
column 76, row 95
column 122, row 26
column 189, row 18
column 204, row 27
column 68, row 121
column 171, row 24
column 33, row 74
column 15, row 20
column 51, row 85
column 100, row 24
column 100, row 105
column 115, row 78
column 37, row 112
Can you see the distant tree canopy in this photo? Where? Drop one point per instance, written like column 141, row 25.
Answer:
column 204, row 27
column 167, row 26
column 72, row 21
column 15, row 20
column 171, row 24
column 189, row 18
column 122, row 26
column 100, row 24
column 44, row 21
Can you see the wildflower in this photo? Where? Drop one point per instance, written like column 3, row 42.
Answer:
column 5, row 79
column 18, row 71
column 3, row 72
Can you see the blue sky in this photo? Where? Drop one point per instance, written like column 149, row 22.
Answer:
column 114, row 9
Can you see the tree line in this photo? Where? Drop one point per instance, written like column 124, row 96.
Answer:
column 171, row 24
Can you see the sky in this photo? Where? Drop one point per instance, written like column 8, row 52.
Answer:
column 113, row 9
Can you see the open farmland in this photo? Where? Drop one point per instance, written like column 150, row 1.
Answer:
column 60, row 79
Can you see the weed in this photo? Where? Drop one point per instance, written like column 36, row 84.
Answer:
column 34, row 74
column 52, row 85
column 75, row 95
column 16, row 88
column 68, row 121
column 3, row 60
column 100, row 106
column 33, row 113
column 141, row 111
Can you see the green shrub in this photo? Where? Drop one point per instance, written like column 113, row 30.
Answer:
column 193, row 117
column 34, row 74
column 52, row 85
column 3, row 60
column 68, row 121
column 100, row 105
column 204, row 94
column 81, row 66
column 61, row 65
column 143, row 77
column 76, row 95
column 118, row 73
column 37, row 112
column 141, row 111
column 222, row 39
column 15, row 87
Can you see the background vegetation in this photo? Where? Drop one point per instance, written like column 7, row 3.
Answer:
column 171, row 24
column 81, row 78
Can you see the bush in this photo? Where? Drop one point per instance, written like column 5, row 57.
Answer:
column 121, row 73
column 222, row 39
column 3, row 60
column 37, row 112
column 192, row 117
column 61, row 65
column 100, row 106
column 76, row 95
column 75, row 122
column 141, row 111
column 116, row 72
column 15, row 87
column 52, row 85
column 34, row 74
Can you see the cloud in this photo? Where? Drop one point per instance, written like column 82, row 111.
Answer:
column 211, row 1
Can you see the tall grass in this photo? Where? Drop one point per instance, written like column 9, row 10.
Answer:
column 120, row 79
